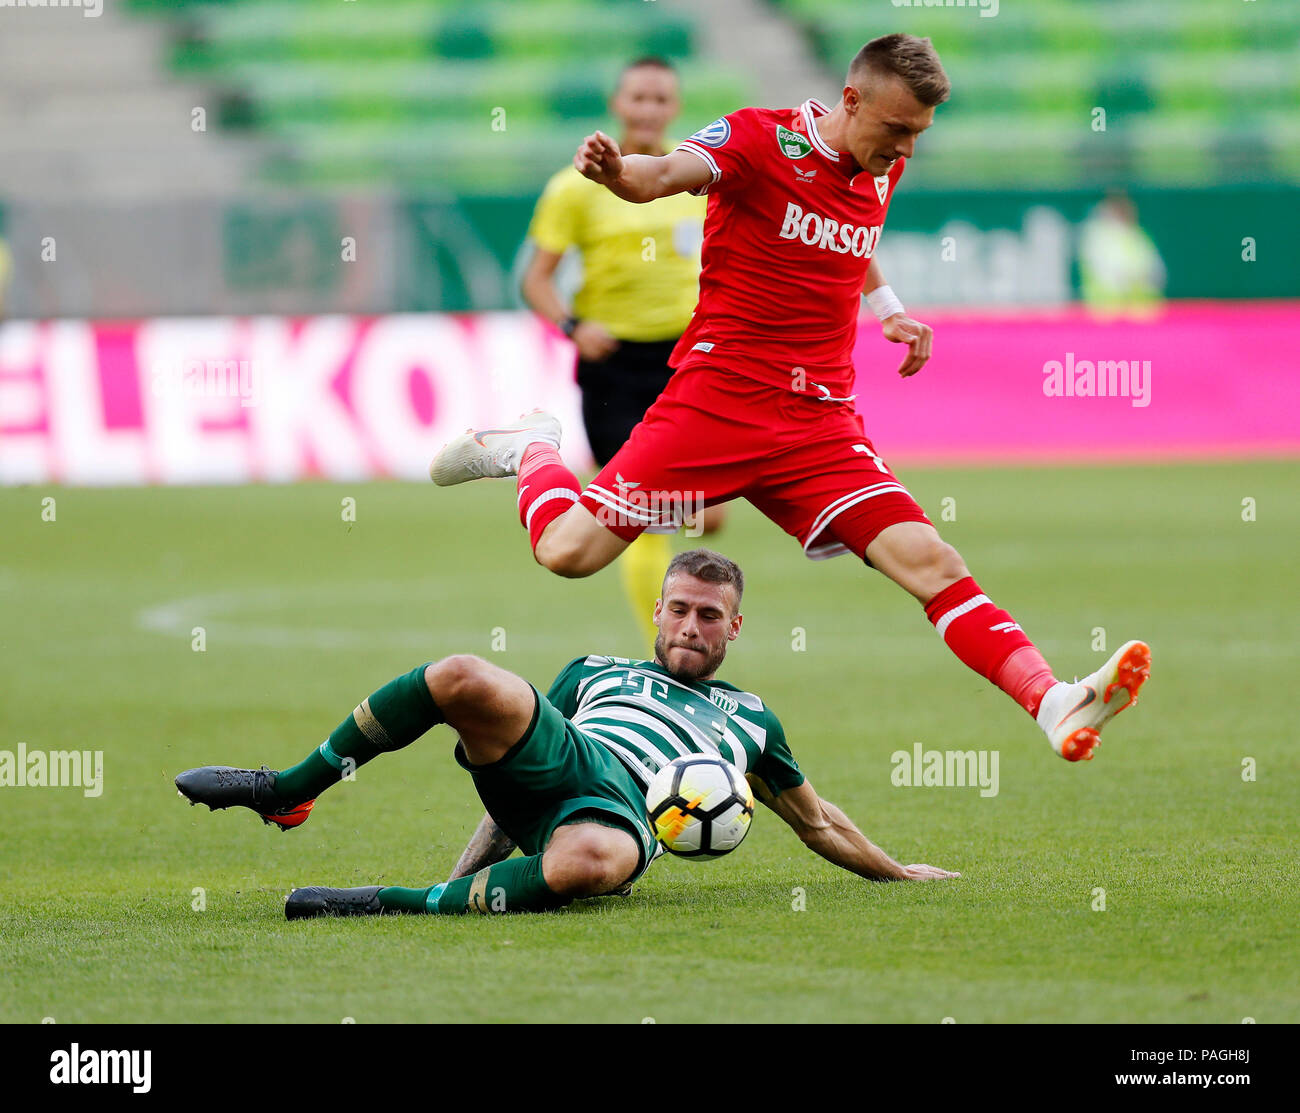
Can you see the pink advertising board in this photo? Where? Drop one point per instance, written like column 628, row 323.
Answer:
column 1199, row 380
column 232, row 400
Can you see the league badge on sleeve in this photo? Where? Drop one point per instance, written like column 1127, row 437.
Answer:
column 715, row 135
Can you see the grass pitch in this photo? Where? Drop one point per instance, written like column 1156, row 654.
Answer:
column 133, row 907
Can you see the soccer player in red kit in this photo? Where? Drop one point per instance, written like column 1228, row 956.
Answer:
column 761, row 404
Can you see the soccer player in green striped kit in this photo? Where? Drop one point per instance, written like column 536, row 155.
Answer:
column 564, row 775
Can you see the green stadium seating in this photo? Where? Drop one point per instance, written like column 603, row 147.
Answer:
column 1195, row 91
column 406, row 92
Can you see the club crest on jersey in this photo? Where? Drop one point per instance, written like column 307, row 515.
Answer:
column 882, row 187
column 715, row 135
column 792, row 144
column 729, row 704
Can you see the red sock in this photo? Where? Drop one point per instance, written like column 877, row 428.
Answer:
column 990, row 641
column 546, row 488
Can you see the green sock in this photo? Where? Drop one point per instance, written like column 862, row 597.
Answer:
column 396, row 899
column 393, row 717
column 515, row 885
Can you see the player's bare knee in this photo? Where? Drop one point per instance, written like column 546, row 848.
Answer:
column 924, row 566
column 948, row 565
column 457, row 680
column 565, row 556
column 590, row 862
column 929, row 557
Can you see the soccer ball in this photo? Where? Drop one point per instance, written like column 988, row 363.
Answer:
column 699, row 806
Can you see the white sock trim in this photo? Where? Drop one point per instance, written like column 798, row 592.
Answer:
column 546, row 496
column 948, row 617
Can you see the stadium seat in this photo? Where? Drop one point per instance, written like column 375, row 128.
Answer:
column 365, row 95
column 1173, row 78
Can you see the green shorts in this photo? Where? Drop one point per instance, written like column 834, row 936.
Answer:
column 555, row 775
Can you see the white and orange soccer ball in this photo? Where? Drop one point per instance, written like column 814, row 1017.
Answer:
column 700, row 806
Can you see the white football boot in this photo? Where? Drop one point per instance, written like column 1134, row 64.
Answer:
column 492, row 453
column 1072, row 715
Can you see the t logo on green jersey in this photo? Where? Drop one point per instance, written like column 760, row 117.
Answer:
column 792, row 144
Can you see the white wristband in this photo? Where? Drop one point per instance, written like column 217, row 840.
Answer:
column 884, row 302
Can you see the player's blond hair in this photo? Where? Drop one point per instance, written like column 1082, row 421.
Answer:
column 912, row 60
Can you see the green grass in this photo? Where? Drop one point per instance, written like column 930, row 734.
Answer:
column 305, row 614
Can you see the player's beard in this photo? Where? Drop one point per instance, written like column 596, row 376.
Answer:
column 696, row 665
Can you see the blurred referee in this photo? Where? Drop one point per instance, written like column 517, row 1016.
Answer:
column 641, row 267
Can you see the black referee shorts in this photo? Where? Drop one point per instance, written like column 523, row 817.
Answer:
column 617, row 392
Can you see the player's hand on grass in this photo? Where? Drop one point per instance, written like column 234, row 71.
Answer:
column 595, row 342
column 926, row 873
column 599, row 159
column 901, row 329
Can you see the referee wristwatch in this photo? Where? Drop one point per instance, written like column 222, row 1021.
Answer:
column 569, row 325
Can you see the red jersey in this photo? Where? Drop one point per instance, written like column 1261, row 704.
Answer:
column 790, row 230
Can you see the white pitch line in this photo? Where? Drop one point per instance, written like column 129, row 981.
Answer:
column 178, row 617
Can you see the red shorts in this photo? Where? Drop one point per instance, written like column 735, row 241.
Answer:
column 713, row 436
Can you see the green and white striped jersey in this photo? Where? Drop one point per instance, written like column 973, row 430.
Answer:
column 647, row 717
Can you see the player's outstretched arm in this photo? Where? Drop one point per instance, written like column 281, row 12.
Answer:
column 639, row 178
column 823, row 828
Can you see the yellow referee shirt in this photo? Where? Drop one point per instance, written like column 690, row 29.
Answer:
column 641, row 263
